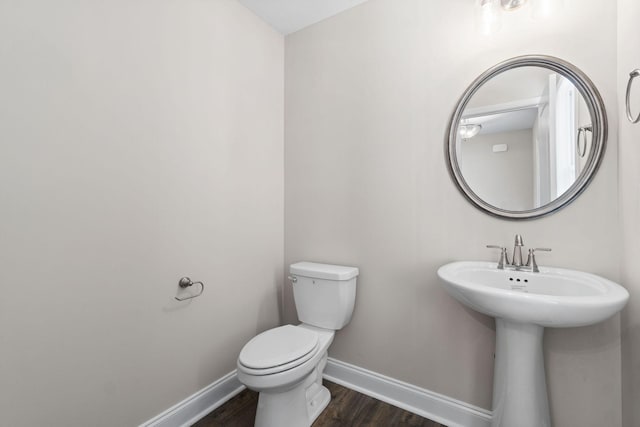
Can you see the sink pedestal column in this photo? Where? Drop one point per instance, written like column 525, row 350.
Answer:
column 519, row 385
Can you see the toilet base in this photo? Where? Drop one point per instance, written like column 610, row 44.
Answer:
column 292, row 408
column 319, row 400
column 296, row 407
column 286, row 409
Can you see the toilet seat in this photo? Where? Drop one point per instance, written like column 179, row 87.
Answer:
column 278, row 350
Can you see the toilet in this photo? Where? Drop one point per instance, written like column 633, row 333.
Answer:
column 285, row 364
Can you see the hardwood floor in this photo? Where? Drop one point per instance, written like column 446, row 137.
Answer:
column 347, row 408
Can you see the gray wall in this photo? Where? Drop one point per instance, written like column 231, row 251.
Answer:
column 142, row 141
column 368, row 98
column 628, row 60
column 503, row 179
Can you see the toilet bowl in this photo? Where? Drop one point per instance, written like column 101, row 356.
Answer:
column 285, row 364
column 291, row 390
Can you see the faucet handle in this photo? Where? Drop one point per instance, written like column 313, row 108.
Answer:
column 504, row 258
column 531, row 259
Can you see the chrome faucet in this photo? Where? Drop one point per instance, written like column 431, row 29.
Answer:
column 504, row 258
column 517, row 252
column 532, row 265
column 516, row 261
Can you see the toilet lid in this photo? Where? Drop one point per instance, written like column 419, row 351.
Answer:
column 278, row 346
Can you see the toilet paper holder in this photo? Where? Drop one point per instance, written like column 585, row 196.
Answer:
column 184, row 283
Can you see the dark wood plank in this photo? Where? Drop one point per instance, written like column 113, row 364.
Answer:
column 347, row 408
column 240, row 411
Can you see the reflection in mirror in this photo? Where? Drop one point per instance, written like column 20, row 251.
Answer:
column 526, row 136
column 523, row 139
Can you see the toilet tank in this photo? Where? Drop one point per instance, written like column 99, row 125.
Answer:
column 324, row 294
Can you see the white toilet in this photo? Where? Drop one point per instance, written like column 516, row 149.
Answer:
column 285, row 364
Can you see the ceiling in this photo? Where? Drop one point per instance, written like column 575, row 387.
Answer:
column 289, row 16
column 509, row 121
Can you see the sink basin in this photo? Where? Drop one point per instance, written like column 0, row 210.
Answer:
column 554, row 297
column 524, row 303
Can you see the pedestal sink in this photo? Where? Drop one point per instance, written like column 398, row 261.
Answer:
column 524, row 303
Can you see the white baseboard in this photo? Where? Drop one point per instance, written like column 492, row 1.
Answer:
column 196, row 406
column 434, row 406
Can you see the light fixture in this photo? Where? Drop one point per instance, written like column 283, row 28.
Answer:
column 469, row 131
column 489, row 13
column 512, row 4
column 488, row 17
column 546, row 8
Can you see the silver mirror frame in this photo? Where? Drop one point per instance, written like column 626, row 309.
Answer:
column 600, row 131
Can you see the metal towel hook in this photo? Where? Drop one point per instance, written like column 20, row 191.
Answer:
column 635, row 73
column 184, row 283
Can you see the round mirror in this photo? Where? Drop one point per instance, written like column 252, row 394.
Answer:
column 527, row 137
